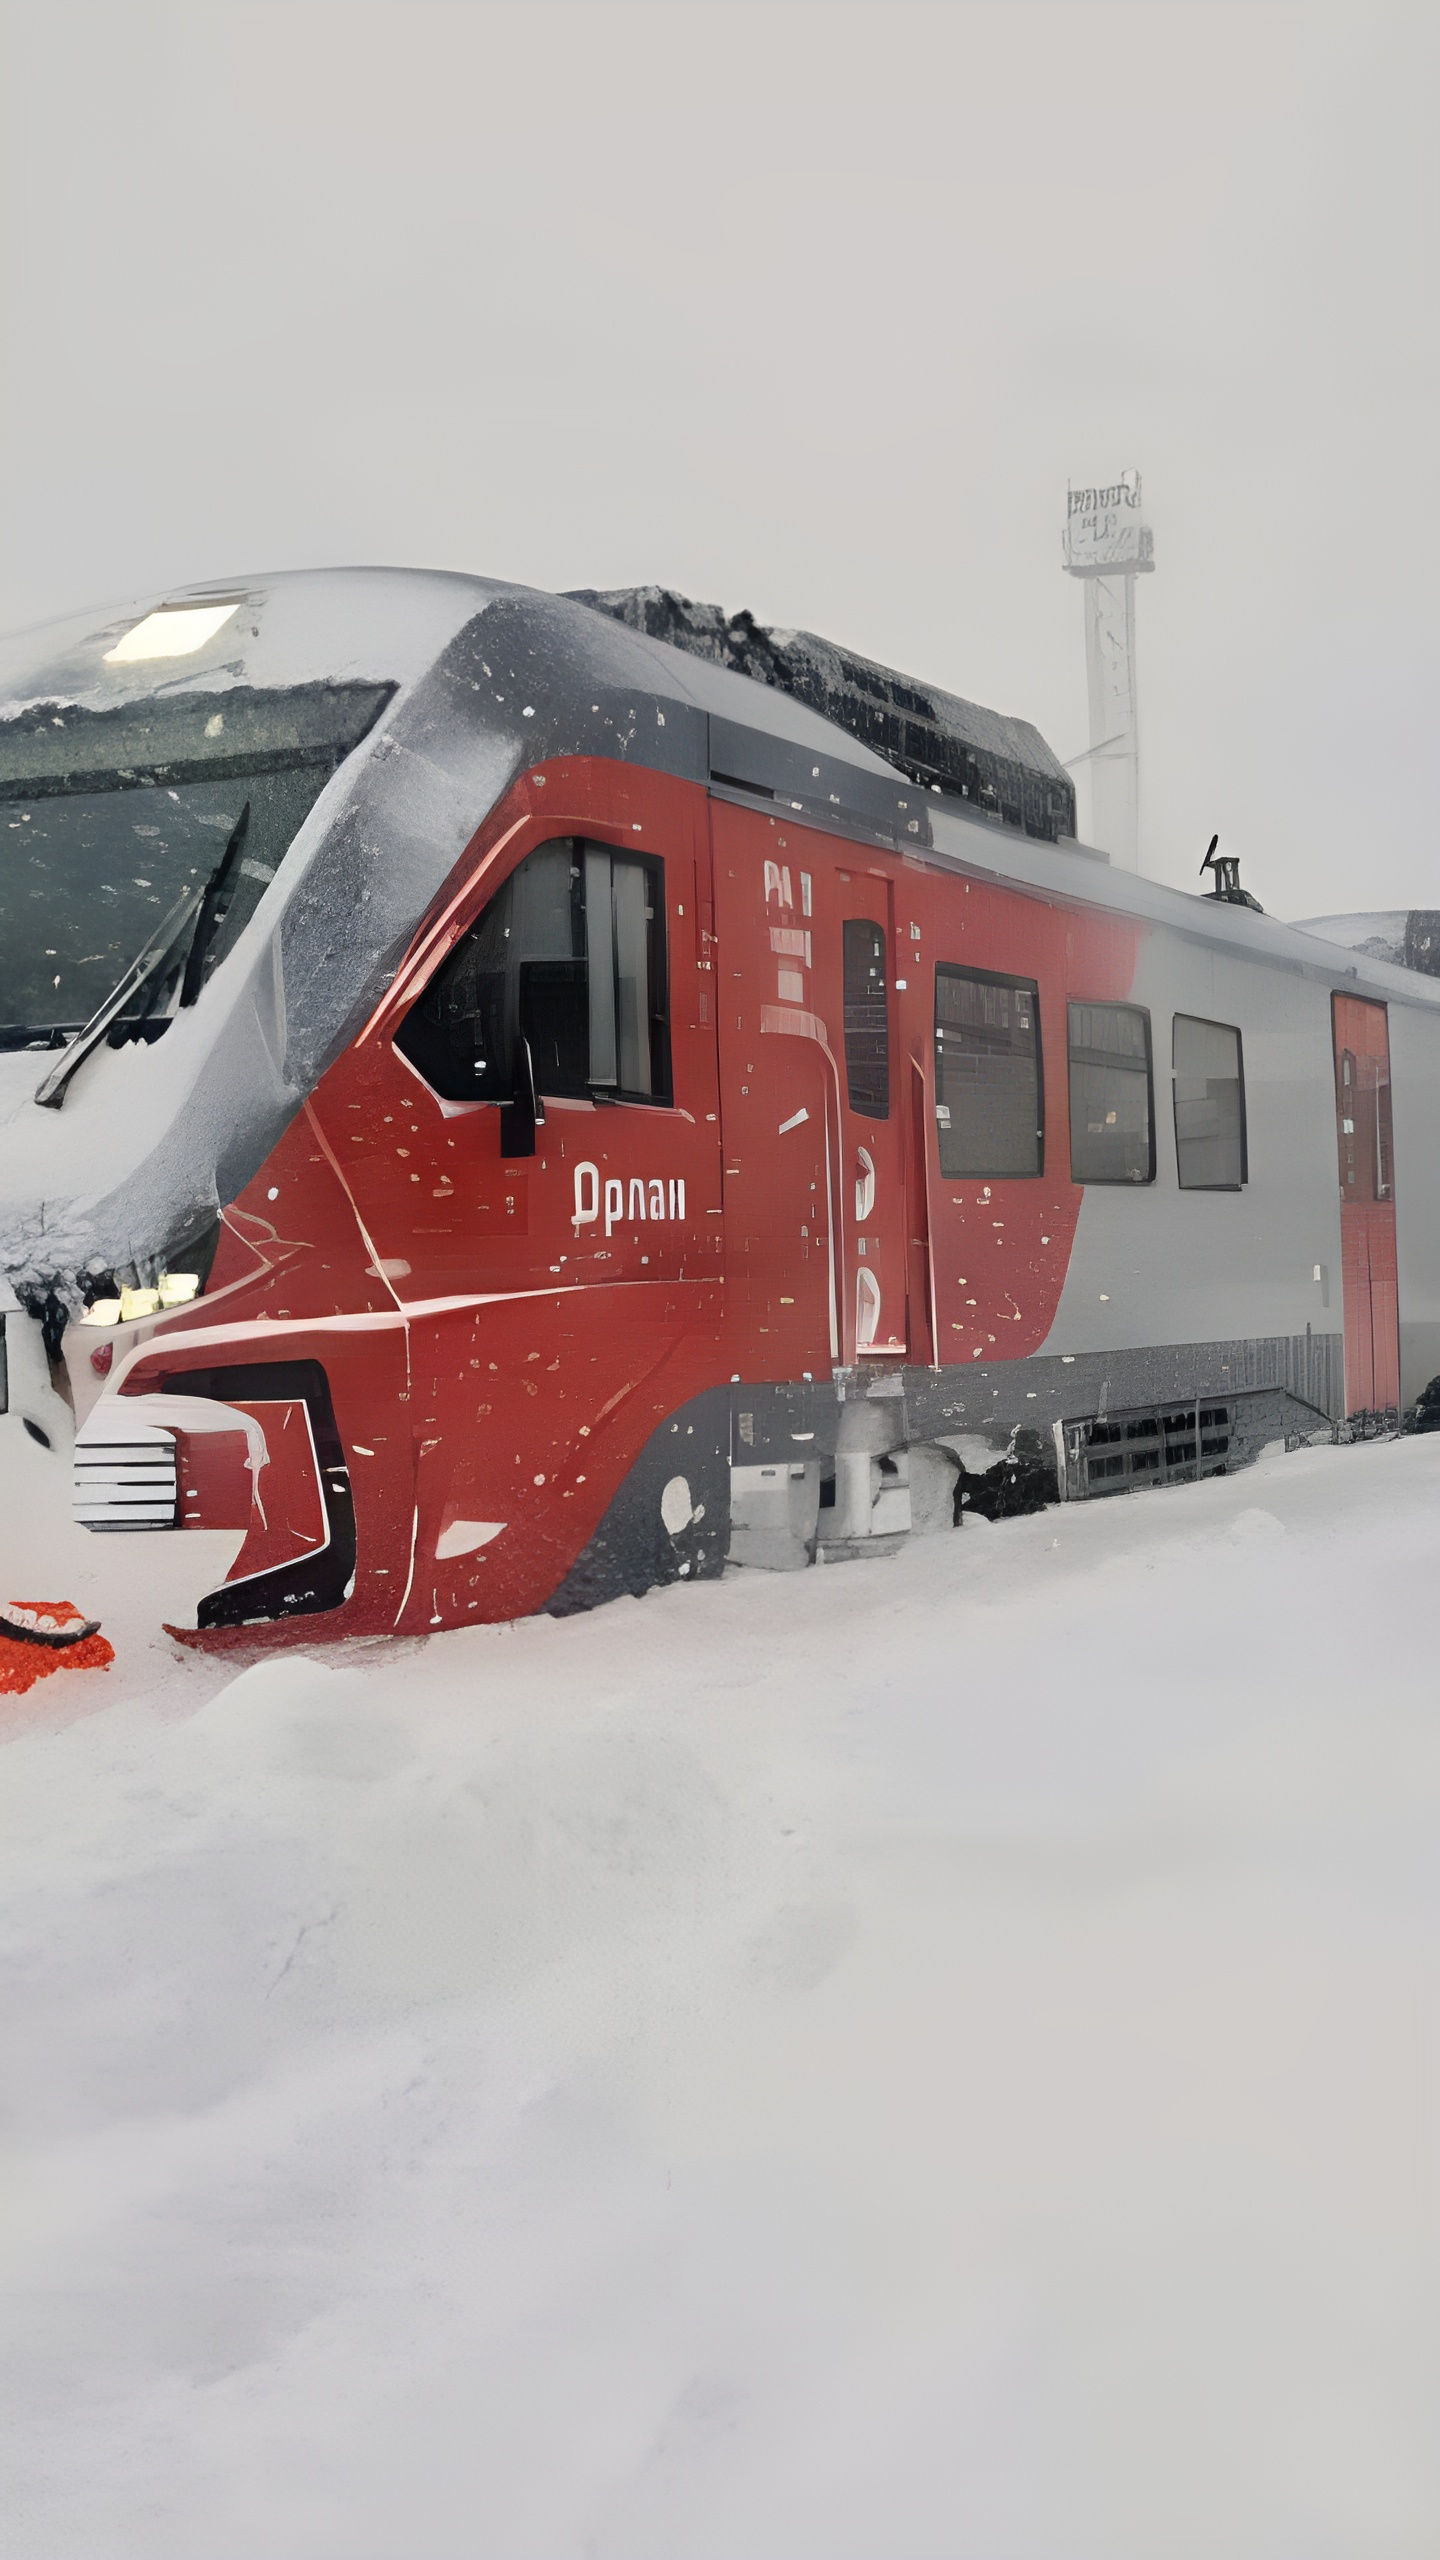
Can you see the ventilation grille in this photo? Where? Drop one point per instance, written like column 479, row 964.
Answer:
column 1169, row 1445
column 126, row 1482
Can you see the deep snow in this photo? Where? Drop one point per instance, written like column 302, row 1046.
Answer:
column 916, row 2061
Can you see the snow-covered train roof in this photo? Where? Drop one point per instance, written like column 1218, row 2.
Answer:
column 302, row 626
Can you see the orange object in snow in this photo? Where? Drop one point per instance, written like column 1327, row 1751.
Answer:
column 41, row 1636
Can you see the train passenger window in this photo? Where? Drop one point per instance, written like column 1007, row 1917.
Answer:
column 1112, row 1121
column 867, row 1029
column 1210, row 1149
column 989, row 1094
column 570, row 956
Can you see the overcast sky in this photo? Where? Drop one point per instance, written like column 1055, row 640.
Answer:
column 810, row 308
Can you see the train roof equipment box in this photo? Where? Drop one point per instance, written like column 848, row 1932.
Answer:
column 1003, row 767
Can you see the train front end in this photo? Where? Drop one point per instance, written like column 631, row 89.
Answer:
column 221, row 817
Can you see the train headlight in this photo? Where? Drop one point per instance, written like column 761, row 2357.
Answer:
column 174, row 631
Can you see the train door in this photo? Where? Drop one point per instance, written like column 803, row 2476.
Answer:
column 814, row 1102
column 570, row 1002
column 854, row 940
column 780, row 1105
column 1367, row 1205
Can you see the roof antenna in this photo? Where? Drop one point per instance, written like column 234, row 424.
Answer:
column 1226, row 867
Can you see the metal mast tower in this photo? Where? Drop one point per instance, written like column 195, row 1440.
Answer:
column 1108, row 546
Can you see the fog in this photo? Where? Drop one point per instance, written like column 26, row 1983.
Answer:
column 813, row 309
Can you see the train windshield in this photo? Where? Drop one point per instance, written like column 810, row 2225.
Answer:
column 157, row 826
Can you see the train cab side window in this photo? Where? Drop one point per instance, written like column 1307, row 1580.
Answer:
column 1112, row 1117
column 867, row 1028
column 989, row 1093
column 570, row 956
column 1210, row 1146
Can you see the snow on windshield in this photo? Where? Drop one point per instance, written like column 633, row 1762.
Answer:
column 108, row 817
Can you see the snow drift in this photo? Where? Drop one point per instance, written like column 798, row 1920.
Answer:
column 924, row 2059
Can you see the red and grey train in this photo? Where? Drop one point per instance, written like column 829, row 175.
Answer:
column 500, row 1108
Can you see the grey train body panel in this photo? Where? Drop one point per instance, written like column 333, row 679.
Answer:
column 1152, row 1263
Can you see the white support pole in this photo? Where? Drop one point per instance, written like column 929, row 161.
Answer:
column 1114, row 719
column 1107, row 546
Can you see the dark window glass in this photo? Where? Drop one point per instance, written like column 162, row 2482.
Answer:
column 988, row 1092
column 867, row 1030
column 1367, row 1145
column 1384, row 1133
column 1112, row 1136
column 570, row 956
column 1209, row 1106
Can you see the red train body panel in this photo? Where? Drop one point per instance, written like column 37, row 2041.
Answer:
column 497, row 1365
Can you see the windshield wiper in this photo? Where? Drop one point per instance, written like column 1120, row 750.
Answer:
column 201, row 902
column 208, row 917
column 137, row 977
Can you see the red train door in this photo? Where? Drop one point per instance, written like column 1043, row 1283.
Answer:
column 779, row 1105
column 814, row 1100
column 1367, row 1205
column 854, row 945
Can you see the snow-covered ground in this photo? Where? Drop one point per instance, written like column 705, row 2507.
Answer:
column 918, row 2061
